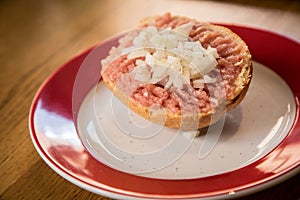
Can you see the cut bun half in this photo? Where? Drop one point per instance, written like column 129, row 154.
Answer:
column 183, row 83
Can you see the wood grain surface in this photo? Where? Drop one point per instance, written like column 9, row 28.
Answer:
column 36, row 37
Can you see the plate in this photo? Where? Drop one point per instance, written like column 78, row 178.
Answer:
column 60, row 128
column 139, row 147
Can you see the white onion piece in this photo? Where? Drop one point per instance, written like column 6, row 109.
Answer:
column 150, row 60
column 208, row 79
column 160, row 72
column 140, row 62
column 141, row 73
column 212, row 51
column 136, row 54
column 194, row 73
column 185, row 29
column 198, row 83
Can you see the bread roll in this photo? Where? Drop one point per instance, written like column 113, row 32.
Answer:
column 179, row 72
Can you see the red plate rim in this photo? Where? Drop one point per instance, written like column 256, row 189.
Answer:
column 267, row 48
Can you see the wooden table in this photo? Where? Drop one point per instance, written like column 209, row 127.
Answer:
column 39, row 36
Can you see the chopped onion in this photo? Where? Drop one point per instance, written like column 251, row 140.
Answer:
column 136, row 54
column 170, row 54
column 208, row 79
column 185, row 29
column 141, row 73
column 159, row 73
column 150, row 60
column 198, row 83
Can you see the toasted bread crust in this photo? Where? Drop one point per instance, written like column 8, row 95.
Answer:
column 175, row 120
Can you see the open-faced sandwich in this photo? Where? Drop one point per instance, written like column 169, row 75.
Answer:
column 179, row 72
